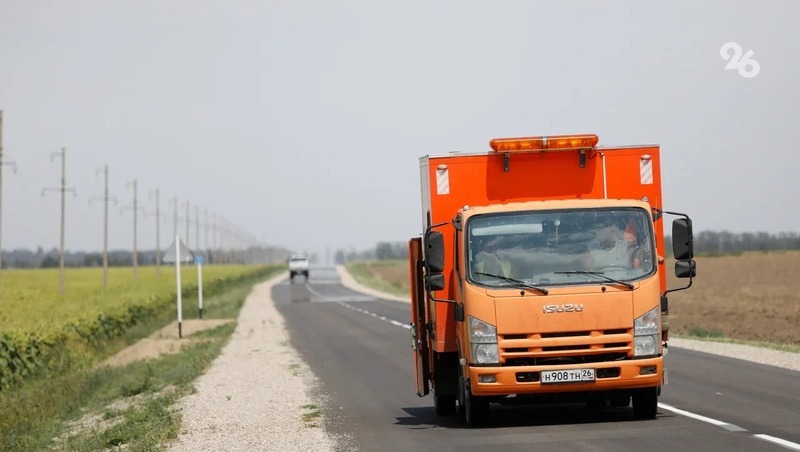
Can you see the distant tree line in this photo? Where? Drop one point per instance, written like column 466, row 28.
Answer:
column 717, row 243
column 39, row 258
column 381, row 251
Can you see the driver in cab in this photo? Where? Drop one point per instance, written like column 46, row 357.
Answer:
column 493, row 258
column 610, row 249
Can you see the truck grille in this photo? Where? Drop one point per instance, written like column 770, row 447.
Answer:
column 565, row 347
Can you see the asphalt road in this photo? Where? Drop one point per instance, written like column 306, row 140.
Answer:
column 359, row 348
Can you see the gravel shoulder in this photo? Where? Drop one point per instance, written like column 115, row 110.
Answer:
column 257, row 395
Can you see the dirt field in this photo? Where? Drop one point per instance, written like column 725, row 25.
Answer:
column 754, row 296
column 163, row 341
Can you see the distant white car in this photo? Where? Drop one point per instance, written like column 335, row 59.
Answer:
column 298, row 265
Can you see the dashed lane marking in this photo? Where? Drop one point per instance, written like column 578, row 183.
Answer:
column 372, row 314
column 781, row 442
column 725, row 425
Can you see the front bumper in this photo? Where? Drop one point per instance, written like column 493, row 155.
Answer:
column 614, row 375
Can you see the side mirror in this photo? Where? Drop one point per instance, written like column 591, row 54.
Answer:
column 435, row 282
column 434, row 252
column 682, row 242
column 685, row 269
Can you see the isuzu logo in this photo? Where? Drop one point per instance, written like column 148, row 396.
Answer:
column 550, row 308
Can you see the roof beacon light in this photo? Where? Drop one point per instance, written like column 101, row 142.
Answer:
column 557, row 142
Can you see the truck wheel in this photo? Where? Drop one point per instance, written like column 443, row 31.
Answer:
column 645, row 403
column 476, row 409
column 445, row 404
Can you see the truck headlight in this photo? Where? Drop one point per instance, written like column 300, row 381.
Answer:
column 481, row 332
column 646, row 332
column 483, row 339
column 644, row 345
column 485, row 353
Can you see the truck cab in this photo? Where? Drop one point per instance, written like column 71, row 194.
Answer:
column 539, row 276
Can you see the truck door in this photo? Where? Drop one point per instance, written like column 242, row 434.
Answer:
column 419, row 332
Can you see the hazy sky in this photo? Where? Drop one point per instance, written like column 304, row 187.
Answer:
column 302, row 122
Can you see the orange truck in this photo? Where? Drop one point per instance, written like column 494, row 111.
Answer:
column 540, row 276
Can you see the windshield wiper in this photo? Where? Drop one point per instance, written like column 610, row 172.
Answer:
column 599, row 274
column 518, row 283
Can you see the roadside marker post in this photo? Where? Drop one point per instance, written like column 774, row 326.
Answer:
column 181, row 254
column 178, row 282
column 199, row 261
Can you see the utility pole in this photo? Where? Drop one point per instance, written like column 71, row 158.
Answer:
column 222, row 242
column 133, row 184
column 188, row 244
column 214, row 238
column 14, row 165
column 64, row 189
column 175, row 216
column 197, row 229
column 205, row 227
column 105, row 200
column 158, row 232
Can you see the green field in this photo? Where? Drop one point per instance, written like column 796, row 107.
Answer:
column 40, row 330
column 30, row 299
column 68, row 395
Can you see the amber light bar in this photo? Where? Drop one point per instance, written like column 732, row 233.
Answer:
column 560, row 142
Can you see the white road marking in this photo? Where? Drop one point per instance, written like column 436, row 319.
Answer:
column 726, row 425
column 313, row 292
column 781, row 442
column 730, row 427
column 372, row 314
column 693, row 416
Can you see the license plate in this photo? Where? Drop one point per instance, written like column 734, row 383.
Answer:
column 567, row 376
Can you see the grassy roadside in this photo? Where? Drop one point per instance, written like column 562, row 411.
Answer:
column 388, row 276
column 391, row 276
column 93, row 408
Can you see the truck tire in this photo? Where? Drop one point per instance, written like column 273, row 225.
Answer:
column 445, row 405
column 476, row 409
column 645, row 403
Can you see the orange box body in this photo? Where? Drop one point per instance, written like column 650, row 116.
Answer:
column 452, row 181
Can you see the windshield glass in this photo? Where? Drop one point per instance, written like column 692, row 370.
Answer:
column 561, row 246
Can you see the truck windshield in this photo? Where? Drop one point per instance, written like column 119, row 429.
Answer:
column 561, row 247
